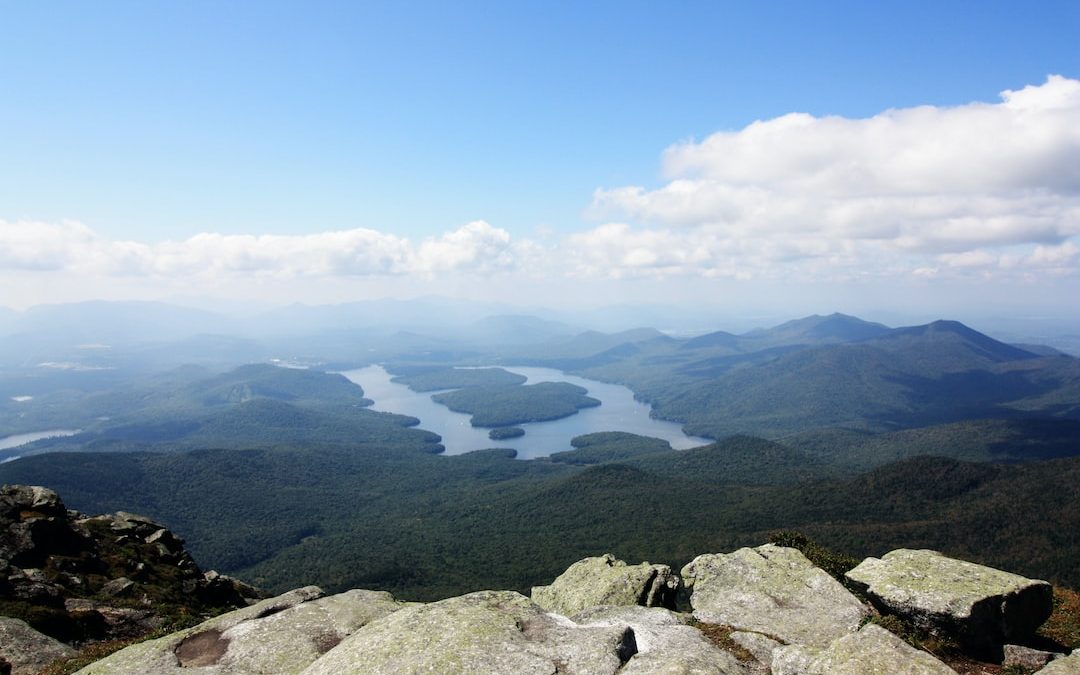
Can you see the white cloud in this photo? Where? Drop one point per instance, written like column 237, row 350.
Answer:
column 475, row 248
column 979, row 191
column 888, row 192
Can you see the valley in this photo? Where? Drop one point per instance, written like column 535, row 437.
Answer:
column 864, row 437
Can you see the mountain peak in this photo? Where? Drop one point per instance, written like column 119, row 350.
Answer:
column 945, row 329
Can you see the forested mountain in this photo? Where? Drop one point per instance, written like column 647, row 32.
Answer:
column 251, row 406
column 877, row 379
column 285, row 476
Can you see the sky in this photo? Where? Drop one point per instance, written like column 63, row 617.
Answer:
column 789, row 156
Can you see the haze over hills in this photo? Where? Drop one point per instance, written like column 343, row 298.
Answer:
column 281, row 473
column 822, row 398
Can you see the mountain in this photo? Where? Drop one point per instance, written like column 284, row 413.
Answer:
column 515, row 329
column 816, row 330
column 807, row 331
column 257, row 405
column 718, row 339
column 942, row 340
column 113, row 323
column 879, row 379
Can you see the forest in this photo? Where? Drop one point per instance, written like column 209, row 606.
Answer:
column 863, row 437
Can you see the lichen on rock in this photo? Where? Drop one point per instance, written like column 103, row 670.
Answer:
column 605, row 580
column 772, row 590
column 980, row 605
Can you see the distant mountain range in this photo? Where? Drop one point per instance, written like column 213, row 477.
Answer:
column 837, row 371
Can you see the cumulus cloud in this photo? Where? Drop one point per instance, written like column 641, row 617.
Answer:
column 979, row 190
column 899, row 190
column 474, row 248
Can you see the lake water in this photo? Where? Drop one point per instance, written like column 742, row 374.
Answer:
column 17, row 440
column 618, row 411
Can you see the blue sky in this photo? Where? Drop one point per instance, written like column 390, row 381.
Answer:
column 151, row 123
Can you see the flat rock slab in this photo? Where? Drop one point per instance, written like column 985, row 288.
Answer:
column 1027, row 657
column 280, row 635
column 772, row 590
column 1065, row 665
column 604, row 580
column 27, row 650
column 488, row 632
column 666, row 644
column 980, row 605
column 871, row 651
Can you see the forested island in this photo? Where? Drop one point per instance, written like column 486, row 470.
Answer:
column 435, row 378
column 507, row 405
column 503, row 433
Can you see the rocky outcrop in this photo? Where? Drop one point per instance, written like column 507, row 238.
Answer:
column 280, row 635
column 775, row 591
column 604, row 580
column 665, row 643
column 1066, row 665
column 25, row 650
column 485, row 632
column 869, row 651
column 980, row 605
column 782, row 616
column 755, row 611
column 1027, row 658
column 79, row 578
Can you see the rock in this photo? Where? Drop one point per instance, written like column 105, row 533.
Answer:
column 1065, row 665
column 1027, row 657
column 118, row 586
column 30, row 498
column 761, row 646
column 50, row 555
column 979, row 605
column 772, row 590
column 122, row 521
column 33, row 524
column 665, row 643
column 607, row 581
column 280, row 635
column 492, row 632
column 26, row 650
column 870, row 651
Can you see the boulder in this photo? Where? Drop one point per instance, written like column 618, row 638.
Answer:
column 772, row 590
column 26, row 650
column 492, row 632
column 1064, row 665
column 665, row 643
column 870, row 651
column 118, row 586
column 607, row 581
column 33, row 524
column 1027, row 658
column 979, row 605
column 761, row 646
column 280, row 635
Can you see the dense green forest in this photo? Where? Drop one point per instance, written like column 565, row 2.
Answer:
column 434, row 378
column 503, row 433
column 506, row 405
column 426, row 526
column 251, row 406
column 839, row 372
column 863, row 437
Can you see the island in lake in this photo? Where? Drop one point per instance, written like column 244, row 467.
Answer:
column 507, row 405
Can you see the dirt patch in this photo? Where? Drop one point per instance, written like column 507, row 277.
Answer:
column 201, row 649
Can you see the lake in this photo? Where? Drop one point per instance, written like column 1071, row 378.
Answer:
column 16, row 440
column 618, row 411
